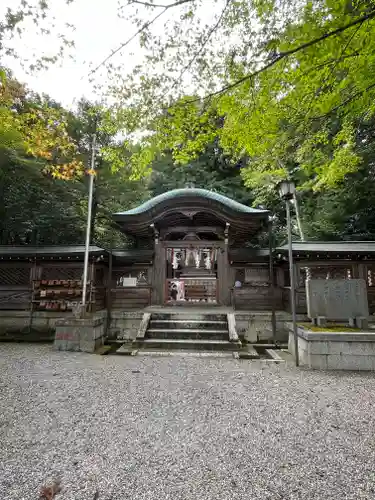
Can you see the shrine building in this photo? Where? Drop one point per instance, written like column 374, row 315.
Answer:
column 193, row 250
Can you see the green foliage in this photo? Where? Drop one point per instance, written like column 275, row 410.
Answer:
column 44, row 203
column 36, row 208
column 211, row 170
column 290, row 95
column 18, row 18
column 289, row 89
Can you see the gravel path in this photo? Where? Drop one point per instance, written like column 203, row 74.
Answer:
column 181, row 428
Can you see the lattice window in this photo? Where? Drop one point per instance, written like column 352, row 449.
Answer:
column 324, row 273
column 14, row 276
column 257, row 275
column 62, row 273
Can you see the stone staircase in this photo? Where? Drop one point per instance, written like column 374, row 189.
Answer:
column 190, row 333
column 186, row 332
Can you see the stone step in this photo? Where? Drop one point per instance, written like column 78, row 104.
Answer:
column 188, row 323
column 186, row 353
column 248, row 352
column 189, row 333
column 188, row 316
column 190, row 344
column 127, row 350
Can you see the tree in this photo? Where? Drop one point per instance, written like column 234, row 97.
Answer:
column 36, row 127
column 289, row 95
column 114, row 188
column 35, row 13
column 42, row 205
column 211, row 170
column 316, row 71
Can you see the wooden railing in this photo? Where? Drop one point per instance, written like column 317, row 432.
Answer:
column 257, row 298
column 192, row 291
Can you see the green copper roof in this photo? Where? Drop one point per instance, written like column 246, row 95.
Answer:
column 192, row 192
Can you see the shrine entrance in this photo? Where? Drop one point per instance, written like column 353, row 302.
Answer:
column 192, row 273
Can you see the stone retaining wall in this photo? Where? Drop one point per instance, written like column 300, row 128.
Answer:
column 257, row 326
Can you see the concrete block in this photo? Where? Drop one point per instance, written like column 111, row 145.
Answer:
column 79, row 334
column 321, row 321
column 302, row 344
column 233, row 336
column 361, row 322
column 320, row 347
column 317, row 361
column 87, row 346
column 350, row 362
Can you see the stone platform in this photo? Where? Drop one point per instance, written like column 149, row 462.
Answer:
column 335, row 350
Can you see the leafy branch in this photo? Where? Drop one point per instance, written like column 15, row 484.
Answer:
column 201, row 48
column 139, row 31
column 149, row 4
column 282, row 56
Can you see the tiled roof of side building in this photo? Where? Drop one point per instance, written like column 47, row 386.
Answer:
column 332, row 246
column 47, row 249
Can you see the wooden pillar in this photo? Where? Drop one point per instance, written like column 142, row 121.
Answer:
column 362, row 271
column 272, row 280
column 223, row 273
column 222, row 260
column 109, row 292
column 158, row 275
column 33, row 277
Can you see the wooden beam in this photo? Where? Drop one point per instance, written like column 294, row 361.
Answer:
column 190, row 229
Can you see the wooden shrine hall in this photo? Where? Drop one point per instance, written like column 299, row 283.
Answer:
column 191, row 232
column 192, row 247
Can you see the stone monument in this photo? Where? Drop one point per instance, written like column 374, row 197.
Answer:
column 337, row 300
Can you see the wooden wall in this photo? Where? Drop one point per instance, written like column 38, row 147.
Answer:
column 127, row 297
column 256, row 292
column 16, row 280
column 15, row 285
column 339, row 269
column 256, row 298
column 131, row 297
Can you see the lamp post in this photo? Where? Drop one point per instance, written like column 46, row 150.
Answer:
column 88, row 225
column 287, row 190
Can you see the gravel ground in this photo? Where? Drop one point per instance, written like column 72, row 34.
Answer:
column 181, row 428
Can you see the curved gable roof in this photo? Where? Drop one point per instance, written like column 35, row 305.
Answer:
column 176, row 194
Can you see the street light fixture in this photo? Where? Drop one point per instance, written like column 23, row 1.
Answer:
column 287, row 190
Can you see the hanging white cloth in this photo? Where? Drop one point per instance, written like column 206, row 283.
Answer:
column 175, row 258
column 197, row 257
column 207, row 260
